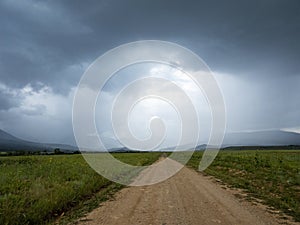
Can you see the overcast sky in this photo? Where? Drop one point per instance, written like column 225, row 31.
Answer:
column 252, row 47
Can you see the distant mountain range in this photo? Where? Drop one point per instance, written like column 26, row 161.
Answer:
column 9, row 142
column 261, row 138
column 255, row 138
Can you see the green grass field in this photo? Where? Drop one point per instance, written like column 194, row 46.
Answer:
column 38, row 189
column 273, row 176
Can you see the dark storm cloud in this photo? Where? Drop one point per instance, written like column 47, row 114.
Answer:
column 51, row 43
column 54, row 41
column 6, row 102
column 39, row 45
column 8, row 98
column 232, row 36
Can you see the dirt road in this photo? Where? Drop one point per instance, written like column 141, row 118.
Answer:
column 186, row 198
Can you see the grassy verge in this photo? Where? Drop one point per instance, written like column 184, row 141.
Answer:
column 273, row 176
column 37, row 189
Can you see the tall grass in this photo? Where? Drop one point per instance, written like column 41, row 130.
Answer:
column 273, row 176
column 36, row 189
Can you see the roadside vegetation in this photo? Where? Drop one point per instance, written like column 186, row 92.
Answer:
column 40, row 189
column 272, row 176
